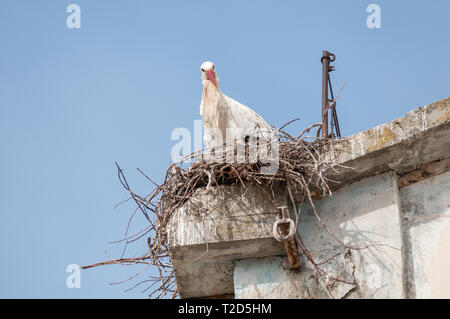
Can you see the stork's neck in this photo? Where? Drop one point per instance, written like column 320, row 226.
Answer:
column 210, row 92
column 208, row 83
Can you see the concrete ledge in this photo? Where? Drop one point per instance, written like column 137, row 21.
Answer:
column 402, row 145
column 214, row 229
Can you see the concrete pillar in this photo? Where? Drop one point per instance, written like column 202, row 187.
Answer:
column 426, row 224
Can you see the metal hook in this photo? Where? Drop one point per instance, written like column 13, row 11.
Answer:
column 276, row 229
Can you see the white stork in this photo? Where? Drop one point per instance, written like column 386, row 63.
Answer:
column 225, row 119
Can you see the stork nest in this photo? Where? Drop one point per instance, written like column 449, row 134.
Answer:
column 301, row 170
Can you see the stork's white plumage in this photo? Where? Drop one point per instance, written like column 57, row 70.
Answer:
column 225, row 119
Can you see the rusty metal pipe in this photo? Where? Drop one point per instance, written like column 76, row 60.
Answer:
column 325, row 69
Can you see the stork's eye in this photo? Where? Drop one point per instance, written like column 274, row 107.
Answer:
column 203, row 70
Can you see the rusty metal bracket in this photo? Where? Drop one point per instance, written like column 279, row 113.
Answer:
column 284, row 231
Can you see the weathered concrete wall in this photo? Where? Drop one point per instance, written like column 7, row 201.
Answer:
column 392, row 196
column 270, row 277
column 409, row 229
column 365, row 213
column 426, row 224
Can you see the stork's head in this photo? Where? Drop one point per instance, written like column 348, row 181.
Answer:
column 209, row 73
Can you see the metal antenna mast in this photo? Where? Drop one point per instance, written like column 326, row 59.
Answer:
column 328, row 57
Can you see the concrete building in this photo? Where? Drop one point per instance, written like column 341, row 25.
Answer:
column 393, row 197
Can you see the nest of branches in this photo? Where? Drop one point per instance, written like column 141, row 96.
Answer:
column 301, row 168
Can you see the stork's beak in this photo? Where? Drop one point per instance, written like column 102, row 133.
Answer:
column 210, row 76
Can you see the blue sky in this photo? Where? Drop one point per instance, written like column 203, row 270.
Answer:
column 73, row 101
